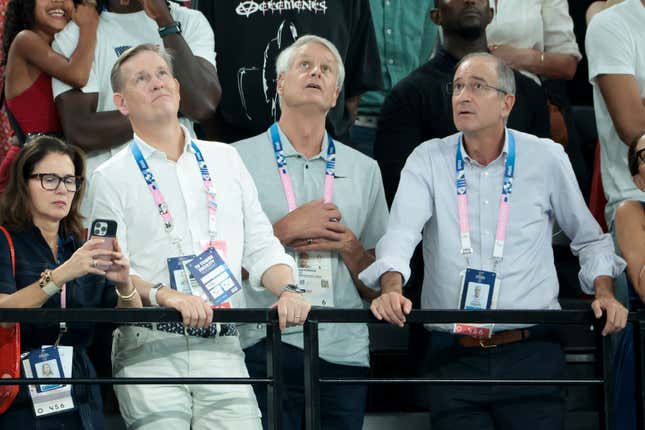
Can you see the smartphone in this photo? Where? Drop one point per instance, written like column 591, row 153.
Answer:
column 105, row 228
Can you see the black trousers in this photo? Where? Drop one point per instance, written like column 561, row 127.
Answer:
column 501, row 407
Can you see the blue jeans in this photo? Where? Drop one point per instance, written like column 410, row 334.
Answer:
column 342, row 406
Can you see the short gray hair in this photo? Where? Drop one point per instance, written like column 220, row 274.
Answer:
column 115, row 76
column 505, row 75
column 285, row 59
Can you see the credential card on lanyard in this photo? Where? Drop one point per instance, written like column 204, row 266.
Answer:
column 314, row 268
column 214, row 276
column 49, row 399
column 481, row 330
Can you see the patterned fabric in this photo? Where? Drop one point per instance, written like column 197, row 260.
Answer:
column 213, row 330
column 5, row 128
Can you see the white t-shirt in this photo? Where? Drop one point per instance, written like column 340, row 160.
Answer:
column 116, row 33
column 544, row 25
column 614, row 44
column 120, row 193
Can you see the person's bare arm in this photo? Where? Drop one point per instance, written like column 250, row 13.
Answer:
column 626, row 108
column 630, row 235
column 553, row 65
column 88, row 129
column 73, row 71
column 199, row 85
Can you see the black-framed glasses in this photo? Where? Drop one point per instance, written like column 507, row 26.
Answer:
column 475, row 87
column 640, row 155
column 51, row 181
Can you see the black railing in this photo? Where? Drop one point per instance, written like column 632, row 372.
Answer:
column 313, row 380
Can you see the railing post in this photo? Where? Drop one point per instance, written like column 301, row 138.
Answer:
column 312, row 376
column 639, row 372
column 274, row 371
column 607, row 413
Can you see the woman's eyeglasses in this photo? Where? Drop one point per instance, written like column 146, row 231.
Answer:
column 51, row 181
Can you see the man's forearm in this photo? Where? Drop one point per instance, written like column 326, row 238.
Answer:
column 391, row 282
column 199, row 85
column 276, row 277
column 604, row 286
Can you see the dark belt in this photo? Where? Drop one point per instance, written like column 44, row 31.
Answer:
column 500, row 338
column 227, row 329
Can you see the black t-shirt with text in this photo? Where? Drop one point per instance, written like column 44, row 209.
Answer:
column 249, row 35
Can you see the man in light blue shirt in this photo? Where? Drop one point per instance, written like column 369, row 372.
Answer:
column 327, row 205
column 491, row 169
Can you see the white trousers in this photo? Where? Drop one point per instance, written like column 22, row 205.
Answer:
column 141, row 352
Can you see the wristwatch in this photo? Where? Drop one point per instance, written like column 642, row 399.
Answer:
column 152, row 295
column 47, row 284
column 292, row 288
column 172, row 28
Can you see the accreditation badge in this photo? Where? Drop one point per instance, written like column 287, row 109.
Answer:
column 479, row 290
column 315, row 277
column 49, row 362
column 214, row 277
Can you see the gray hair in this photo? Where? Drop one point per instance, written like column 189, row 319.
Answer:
column 115, row 76
column 505, row 75
column 285, row 59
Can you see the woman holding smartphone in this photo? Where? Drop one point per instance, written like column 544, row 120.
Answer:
column 30, row 63
column 54, row 269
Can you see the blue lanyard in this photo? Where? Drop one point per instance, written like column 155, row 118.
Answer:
column 504, row 205
column 159, row 199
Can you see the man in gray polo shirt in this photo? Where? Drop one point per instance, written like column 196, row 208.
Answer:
column 327, row 205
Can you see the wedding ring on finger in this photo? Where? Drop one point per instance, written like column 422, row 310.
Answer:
column 333, row 219
column 310, row 241
column 93, row 263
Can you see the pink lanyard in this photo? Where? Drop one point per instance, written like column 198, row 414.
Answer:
column 287, row 185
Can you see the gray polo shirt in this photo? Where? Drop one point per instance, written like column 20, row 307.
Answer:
column 358, row 193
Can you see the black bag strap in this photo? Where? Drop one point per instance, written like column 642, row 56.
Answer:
column 12, row 120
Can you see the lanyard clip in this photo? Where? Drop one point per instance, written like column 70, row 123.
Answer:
column 467, row 252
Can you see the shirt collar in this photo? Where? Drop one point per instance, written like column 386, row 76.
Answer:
column 148, row 151
column 290, row 151
column 467, row 157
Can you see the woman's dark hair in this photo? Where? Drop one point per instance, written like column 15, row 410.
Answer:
column 15, row 206
column 632, row 160
column 19, row 15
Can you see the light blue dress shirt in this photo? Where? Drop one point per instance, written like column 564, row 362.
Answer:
column 544, row 190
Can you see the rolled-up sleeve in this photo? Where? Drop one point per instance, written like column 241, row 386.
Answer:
column 558, row 28
column 412, row 208
column 594, row 248
column 261, row 248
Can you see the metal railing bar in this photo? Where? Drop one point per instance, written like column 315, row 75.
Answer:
column 141, row 381
column 444, row 381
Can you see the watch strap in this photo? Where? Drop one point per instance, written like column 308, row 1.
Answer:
column 152, row 295
column 172, row 28
column 292, row 288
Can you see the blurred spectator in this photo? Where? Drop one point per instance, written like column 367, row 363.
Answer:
column 614, row 45
column 406, row 37
column 630, row 223
column 89, row 116
column 5, row 127
column 330, row 224
column 536, row 37
column 54, row 269
column 30, row 62
column 418, row 108
column 251, row 33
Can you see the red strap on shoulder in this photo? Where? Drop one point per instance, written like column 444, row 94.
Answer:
column 11, row 250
